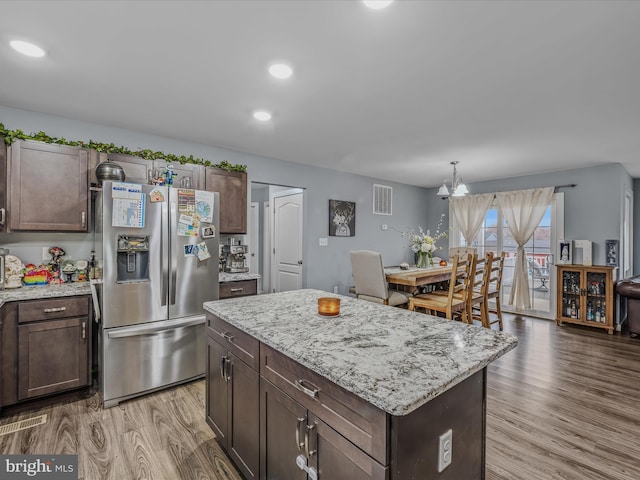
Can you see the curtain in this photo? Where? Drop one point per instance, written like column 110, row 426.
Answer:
column 469, row 212
column 523, row 210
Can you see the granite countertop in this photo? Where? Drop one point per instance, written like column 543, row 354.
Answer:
column 395, row 359
column 44, row 291
column 237, row 277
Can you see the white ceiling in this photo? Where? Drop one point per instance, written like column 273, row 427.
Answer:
column 505, row 88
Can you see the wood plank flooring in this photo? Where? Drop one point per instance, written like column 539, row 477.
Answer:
column 565, row 404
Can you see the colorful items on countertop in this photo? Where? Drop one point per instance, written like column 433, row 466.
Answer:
column 36, row 275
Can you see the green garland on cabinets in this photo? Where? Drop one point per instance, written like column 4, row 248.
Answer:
column 11, row 136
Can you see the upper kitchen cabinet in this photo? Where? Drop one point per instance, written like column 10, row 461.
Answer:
column 191, row 171
column 3, row 185
column 137, row 169
column 48, row 187
column 233, row 198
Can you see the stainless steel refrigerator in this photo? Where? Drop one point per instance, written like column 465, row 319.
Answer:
column 159, row 252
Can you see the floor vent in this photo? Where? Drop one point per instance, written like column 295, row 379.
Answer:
column 22, row 424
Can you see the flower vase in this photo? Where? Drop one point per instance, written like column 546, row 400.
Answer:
column 421, row 260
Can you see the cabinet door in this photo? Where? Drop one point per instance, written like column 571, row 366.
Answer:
column 244, row 418
column 217, row 391
column 3, row 185
column 195, row 173
column 571, row 285
column 282, row 423
column 333, row 456
column 49, row 187
column 135, row 168
column 233, row 198
column 53, row 356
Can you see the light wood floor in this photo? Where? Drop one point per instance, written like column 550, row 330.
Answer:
column 565, row 404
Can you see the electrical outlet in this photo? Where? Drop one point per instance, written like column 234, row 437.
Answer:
column 45, row 253
column 445, row 451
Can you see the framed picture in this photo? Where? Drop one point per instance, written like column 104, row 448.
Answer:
column 612, row 252
column 565, row 253
column 342, row 218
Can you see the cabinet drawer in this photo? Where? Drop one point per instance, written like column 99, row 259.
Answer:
column 243, row 346
column 238, row 289
column 36, row 310
column 356, row 419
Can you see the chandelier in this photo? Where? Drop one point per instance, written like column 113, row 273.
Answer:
column 458, row 188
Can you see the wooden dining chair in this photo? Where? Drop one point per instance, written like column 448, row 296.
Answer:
column 494, row 284
column 477, row 306
column 462, row 252
column 455, row 300
column 371, row 282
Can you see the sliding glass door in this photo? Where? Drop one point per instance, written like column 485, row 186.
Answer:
column 494, row 236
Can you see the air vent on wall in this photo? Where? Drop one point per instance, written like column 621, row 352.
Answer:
column 382, row 199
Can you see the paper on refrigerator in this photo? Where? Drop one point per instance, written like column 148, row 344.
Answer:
column 128, row 205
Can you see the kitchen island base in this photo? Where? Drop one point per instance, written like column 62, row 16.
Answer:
column 311, row 428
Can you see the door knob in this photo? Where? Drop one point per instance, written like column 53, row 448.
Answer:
column 299, row 262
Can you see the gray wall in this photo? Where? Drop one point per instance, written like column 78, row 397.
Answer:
column 593, row 209
column 325, row 266
column 636, row 223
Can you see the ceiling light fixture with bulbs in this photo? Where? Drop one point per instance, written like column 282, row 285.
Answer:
column 377, row 4
column 458, row 188
column 26, row 48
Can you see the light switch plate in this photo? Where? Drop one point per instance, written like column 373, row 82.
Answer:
column 323, row 242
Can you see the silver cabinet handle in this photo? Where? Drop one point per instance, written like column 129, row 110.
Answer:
column 84, row 330
column 2, row 216
column 227, row 336
column 227, row 371
column 312, row 392
column 84, row 219
column 237, row 289
column 223, row 363
column 53, row 310
column 307, row 448
column 299, row 444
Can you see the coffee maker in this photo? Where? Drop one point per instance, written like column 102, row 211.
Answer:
column 233, row 257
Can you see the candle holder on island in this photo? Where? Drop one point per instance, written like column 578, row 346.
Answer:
column 328, row 306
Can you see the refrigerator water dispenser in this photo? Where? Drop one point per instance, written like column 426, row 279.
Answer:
column 133, row 258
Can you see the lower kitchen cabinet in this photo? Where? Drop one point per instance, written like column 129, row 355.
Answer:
column 53, row 356
column 241, row 288
column 46, row 347
column 296, row 444
column 232, row 400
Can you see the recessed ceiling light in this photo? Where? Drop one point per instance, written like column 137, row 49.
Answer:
column 377, row 4
column 27, row 48
column 280, row 70
column 262, row 115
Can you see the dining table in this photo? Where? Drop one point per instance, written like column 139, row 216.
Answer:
column 413, row 277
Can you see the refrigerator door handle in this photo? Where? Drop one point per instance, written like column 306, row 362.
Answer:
column 174, row 259
column 146, row 330
column 164, row 258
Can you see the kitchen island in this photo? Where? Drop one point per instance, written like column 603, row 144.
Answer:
column 366, row 395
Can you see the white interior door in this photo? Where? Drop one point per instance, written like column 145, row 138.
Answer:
column 266, row 248
column 287, row 244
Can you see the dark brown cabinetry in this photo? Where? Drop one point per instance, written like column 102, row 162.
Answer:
column 232, row 397
column 233, row 198
column 311, row 428
column 46, row 347
column 137, row 169
column 3, row 185
column 48, row 187
column 240, row 288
